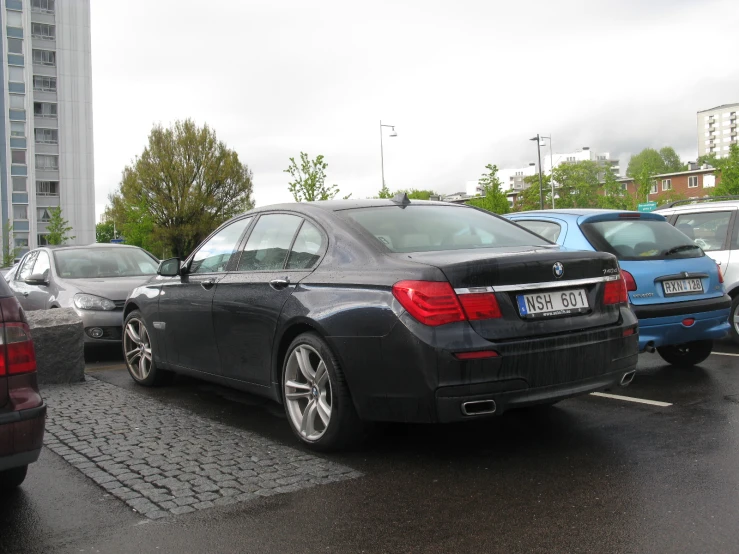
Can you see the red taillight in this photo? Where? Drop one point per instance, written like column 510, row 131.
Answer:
column 16, row 349
column 615, row 292
column 430, row 302
column 628, row 280
column 628, row 332
column 480, row 306
column 479, row 355
column 720, row 274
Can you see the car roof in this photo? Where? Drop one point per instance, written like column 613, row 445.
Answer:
column 339, row 205
column 581, row 215
column 703, row 206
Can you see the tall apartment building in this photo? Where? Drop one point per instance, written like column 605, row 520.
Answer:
column 717, row 130
column 585, row 154
column 46, row 147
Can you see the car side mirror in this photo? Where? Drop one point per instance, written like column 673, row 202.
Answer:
column 170, row 268
column 37, row 279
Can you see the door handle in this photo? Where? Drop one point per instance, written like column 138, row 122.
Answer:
column 279, row 284
column 208, row 283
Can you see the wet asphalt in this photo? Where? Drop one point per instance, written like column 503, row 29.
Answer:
column 592, row 474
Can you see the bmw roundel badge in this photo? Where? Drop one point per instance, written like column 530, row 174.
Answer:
column 558, row 269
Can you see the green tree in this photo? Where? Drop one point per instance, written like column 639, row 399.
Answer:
column 670, row 196
column 614, row 197
column 385, row 192
column 672, row 162
column 528, row 198
column 135, row 225
column 493, row 200
column 578, row 184
column 104, row 231
column 644, row 181
column 708, row 159
column 728, row 171
column 57, row 228
column 415, row 194
column 309, row 180
column 184, row 184
column 10, row 250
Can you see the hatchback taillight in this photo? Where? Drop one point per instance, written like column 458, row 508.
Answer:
column 435, row 303
column 720, row 274
column 615, row 292
column 16, row 349
column 628, row 280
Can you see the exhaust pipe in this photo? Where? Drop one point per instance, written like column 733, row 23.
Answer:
column 650, row 348
column 627, row 378
column 478, row 407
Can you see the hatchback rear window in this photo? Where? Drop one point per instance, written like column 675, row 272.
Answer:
column 431, row 228
column 640, row 240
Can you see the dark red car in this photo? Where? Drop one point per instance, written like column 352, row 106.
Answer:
column 22, row 411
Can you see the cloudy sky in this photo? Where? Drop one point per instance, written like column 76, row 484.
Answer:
column 465, row 82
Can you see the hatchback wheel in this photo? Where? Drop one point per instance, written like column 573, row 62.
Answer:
column 137, row 349
column 317, row 400
column 734, row 319
column 12, row 478
column 688, row 354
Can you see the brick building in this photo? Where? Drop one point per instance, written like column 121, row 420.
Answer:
column 694, row 183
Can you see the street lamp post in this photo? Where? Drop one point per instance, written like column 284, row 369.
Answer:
column 382, row 154
column 537, row 138
column 551, row 166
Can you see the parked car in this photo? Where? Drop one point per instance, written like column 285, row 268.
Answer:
column 22, row 411
column 713, row 226
column 676, row 291
column 93, row 280
column 384, row 310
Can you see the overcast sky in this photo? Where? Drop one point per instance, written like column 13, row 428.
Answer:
column 465, row 82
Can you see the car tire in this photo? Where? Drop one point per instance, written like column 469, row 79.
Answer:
column 307, row 390
column 139, row 355
column 12, row 478
column 734, row 319
column 688, row 354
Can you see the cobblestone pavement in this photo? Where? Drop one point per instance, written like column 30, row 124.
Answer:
column 163, row 460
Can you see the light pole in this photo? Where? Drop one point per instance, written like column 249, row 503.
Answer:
column 551, row 166
column 382, row 155
column 537, row 138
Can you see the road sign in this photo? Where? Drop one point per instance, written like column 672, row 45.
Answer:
column 647, row 207
column 117, row 241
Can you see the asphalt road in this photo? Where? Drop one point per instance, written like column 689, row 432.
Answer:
column 593, row 474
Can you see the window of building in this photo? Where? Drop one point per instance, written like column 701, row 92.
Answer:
column 601, row 158
column 47, row 188
column 17, row 101
column 44, row 215
column 21, row 242
column 17, row 129
column 625, row 186
column 45, row 109
column 15, row 19
column 47, row 136
column 693, row 182
column 42, row 240
column 15, row 74
column 42, row 30
column 46, row 6
column 19, row 184
column 18, row 156
column 653, row 190
column 20, row 211
column 571, row 158
column 666, row 184
column 15, row 46
column 42, row 83
column 44, row 57
column 47, row 162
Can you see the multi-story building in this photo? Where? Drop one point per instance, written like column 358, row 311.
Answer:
column 586, row 154
column 696, row 182
column 510, row 179
column 717, row 130
column 46, row 147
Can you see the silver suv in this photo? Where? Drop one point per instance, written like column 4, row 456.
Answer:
column 713, row 225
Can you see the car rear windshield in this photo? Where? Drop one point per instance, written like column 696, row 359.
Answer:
column 640, row 239
column 103, row 263
column 431, row 228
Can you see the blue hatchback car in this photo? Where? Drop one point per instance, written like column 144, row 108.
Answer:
column 675, row 289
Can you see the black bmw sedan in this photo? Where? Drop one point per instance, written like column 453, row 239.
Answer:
column 384, row 310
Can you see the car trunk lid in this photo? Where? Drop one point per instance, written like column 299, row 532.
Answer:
column 529, row 284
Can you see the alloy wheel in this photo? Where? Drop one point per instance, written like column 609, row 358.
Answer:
column 307, row 389
column 735, row 319
column 137, row 348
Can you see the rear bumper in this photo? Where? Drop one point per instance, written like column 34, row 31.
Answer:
column 21, row 436
column 412, row 375
column 666, row 331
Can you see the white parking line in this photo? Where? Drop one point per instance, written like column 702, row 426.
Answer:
column 632, row 399
column 725, row 354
